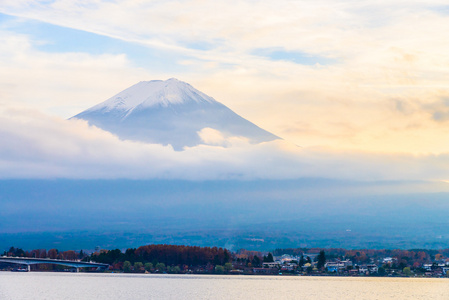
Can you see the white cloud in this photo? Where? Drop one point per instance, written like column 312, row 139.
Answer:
column 213, row 137
column 210, row 136
column 35, row 145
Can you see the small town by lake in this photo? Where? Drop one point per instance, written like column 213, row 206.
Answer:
column 50, row 285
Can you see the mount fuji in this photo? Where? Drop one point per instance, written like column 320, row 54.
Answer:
column 169, row 112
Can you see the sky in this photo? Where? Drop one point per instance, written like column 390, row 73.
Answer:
column 357, row 89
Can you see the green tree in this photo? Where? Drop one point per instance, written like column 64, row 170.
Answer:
column 228, row 267
column 148, row 266
column 160, row 267
column 381, row 271
column 256, row 261
column 270, row 257
column 407, row 271
column 321, row 260
column 137, row 266
column 219, row 269
column 302, row 261
column 126, row 266
column 309, row 269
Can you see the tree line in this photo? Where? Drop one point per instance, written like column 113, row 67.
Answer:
column 166, row 254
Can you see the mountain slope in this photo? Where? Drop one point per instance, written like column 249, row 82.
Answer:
column 169, row 112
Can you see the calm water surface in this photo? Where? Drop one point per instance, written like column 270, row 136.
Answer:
column 17, row 286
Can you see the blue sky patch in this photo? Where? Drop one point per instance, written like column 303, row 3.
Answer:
column 297, row 57
column 200, row 45
column 6, row 18
column 442, row 9
column 57, row 39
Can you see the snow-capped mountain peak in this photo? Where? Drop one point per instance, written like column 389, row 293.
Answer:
column 170, row 112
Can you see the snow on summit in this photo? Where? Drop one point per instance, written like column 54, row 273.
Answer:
column 155, row 92
column 170, row 112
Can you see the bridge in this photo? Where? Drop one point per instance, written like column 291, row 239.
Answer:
column 28, row 261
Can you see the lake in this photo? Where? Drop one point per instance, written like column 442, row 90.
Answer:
column 35, row 285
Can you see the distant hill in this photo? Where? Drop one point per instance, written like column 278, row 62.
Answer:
column 257, row 215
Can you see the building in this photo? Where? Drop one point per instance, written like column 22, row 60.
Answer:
column 271, row 265
column 338, row 266
column 368, row 269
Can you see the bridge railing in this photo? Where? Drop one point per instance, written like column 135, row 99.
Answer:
column 70, row 263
